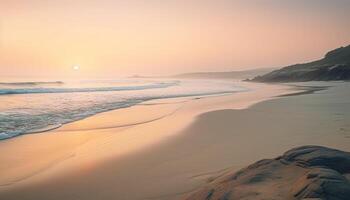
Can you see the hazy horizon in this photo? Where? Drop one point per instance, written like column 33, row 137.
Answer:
column 122, row 38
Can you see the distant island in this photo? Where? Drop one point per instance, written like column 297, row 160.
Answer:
column 244, row 74
column 334, row 66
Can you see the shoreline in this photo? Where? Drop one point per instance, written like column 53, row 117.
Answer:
column 189, row 97
column 189, row 114
column 102, row 121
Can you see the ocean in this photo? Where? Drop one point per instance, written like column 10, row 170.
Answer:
column 30, row 107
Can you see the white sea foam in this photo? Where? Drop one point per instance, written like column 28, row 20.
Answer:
column 42, row 90
column 39, row 107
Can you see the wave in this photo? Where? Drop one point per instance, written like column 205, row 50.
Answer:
column 15, row 124
column 32, row 83
column 8, row 91
column 25, row 114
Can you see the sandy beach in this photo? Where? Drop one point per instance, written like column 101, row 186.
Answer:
column 165, row 149
column 174, row 100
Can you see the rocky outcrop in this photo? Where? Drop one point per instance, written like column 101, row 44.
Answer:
column 308, row 172
column 334, row 66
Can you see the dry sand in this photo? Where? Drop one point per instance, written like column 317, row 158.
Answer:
column 165, row 149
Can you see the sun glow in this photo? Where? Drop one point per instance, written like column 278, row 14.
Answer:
column 76, row 67
column 110, row 38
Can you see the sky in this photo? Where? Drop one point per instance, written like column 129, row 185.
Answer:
column 106, row 38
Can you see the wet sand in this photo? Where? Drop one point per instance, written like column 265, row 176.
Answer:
column 165, row 149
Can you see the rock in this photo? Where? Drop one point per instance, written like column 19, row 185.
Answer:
column 322, row 183
column 312, row 156
column 334, row 66
column 308, row 172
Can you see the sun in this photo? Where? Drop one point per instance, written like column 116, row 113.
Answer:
column 76, row 67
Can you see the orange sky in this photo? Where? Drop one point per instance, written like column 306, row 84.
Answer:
column 111, row 38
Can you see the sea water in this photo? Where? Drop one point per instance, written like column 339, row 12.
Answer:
column 29, row 107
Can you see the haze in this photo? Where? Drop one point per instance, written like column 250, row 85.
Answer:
column 116, row 38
